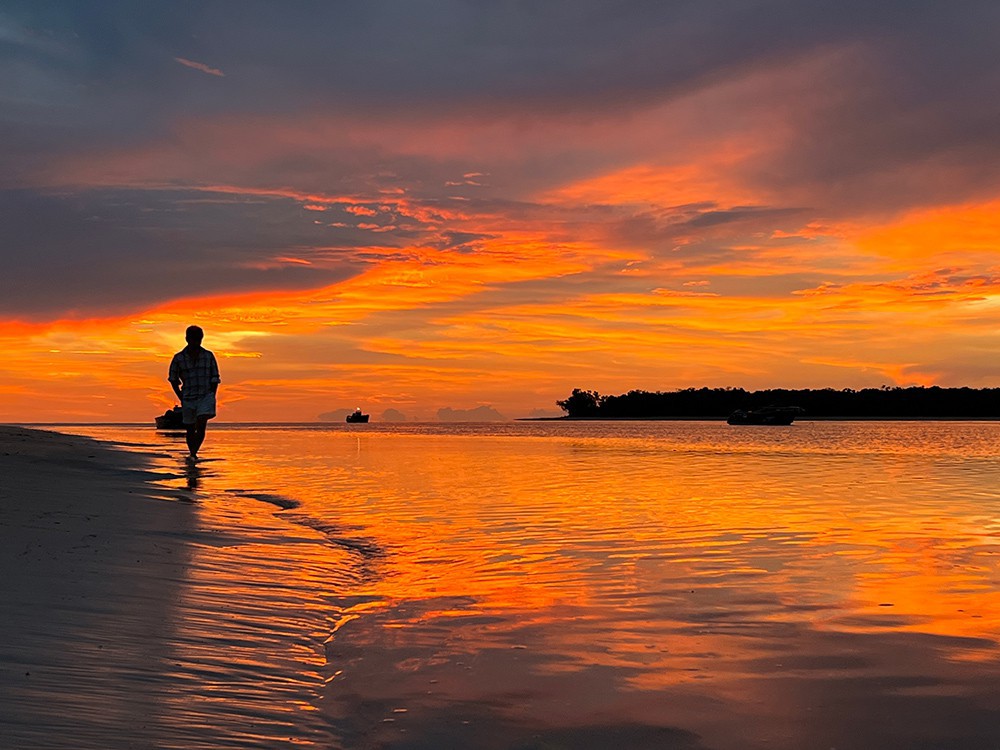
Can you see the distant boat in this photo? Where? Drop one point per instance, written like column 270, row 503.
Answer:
column 768, row 415
column 171, row 419
column 357, row 416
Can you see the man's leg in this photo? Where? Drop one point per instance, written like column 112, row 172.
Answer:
column 195, row 441
column 192, row 438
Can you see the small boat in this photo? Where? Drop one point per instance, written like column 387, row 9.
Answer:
column 357, row 417
column 768, row 415
column 171, row 419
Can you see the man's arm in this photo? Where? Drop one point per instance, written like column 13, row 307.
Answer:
column 175, row 379
column 215, row 375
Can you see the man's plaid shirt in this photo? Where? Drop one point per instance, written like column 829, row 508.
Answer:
column 196, row 375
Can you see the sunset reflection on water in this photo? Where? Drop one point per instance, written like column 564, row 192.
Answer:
column 582, row 585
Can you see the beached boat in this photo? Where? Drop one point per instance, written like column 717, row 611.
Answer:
column 357, row 416
column 767, row 415
column 171, row 419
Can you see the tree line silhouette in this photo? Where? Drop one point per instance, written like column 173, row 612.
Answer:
column 710, row 403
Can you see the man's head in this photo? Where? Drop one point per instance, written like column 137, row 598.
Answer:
column 194, row 335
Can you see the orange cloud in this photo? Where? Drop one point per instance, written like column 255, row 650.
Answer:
column 706, row 180
column 963, row 235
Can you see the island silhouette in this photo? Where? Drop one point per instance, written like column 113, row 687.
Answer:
column 917, row 402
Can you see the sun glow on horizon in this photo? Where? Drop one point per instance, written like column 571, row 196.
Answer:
column 423, row 329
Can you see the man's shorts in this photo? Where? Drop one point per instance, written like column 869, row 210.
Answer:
column 199, row 407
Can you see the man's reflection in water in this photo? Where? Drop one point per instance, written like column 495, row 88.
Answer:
column 192, row 473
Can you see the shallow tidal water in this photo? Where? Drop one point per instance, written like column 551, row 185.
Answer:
column 583, row 585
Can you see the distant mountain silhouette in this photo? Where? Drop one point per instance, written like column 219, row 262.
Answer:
column 718, row 403
column 392, row 415
column 479, row 414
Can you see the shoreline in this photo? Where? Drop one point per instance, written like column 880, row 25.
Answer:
column 54, row 426
column 94, row 563
column 723, row 419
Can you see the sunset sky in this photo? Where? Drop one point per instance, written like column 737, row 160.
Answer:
column 446, row 204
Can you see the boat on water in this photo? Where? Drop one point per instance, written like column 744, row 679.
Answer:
column 767, row 415
column 171, row 419
column 357, row 417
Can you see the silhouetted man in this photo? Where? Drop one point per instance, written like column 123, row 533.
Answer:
column 194, row 375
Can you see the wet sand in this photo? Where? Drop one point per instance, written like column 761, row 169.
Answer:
column 93, row 554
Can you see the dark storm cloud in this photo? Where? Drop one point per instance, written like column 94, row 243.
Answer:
column 913, row 121
column 107, row 251
column 740, row 214
column 435, row 52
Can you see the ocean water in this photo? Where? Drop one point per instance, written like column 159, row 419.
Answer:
column 584, row 585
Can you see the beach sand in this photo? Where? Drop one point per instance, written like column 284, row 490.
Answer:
column 93, row 556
